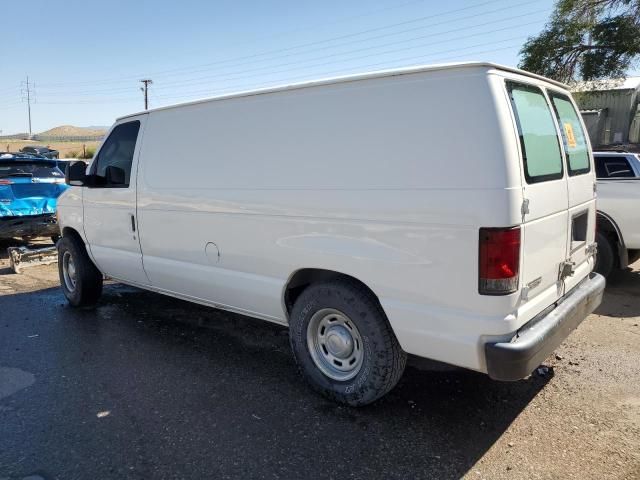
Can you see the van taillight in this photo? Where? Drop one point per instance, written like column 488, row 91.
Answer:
column 499, row 264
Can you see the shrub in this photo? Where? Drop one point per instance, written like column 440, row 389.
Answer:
column 89, row 152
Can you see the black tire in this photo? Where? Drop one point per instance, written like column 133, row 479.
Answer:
column 634, row 256
column 605, row 259
column 88, row 279
column 382, row 359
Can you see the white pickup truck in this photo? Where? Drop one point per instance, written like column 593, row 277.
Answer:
column 618, row 183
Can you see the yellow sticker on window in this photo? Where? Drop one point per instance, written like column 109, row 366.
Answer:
column 571, row 139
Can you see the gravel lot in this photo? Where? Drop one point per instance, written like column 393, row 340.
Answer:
column 146, row 386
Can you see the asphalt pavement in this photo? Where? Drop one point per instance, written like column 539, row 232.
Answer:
column 146, row 386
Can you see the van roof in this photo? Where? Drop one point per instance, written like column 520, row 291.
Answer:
column 351, row 78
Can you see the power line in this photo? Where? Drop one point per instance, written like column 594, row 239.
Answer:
column 7, row 89
column 11, row 105
column 109, row 101
column 317, row 42
column 243, row 73
column 244, row 86
column 387, row 64
column 362, row 32
column 384, row 35
column 233, row 75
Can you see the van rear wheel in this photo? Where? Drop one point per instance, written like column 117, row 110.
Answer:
column 81, row 281
column 343, row 343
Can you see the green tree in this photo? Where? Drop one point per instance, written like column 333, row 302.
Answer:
column 586, row 40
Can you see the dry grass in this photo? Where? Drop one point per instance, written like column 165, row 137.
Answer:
column 65, row 148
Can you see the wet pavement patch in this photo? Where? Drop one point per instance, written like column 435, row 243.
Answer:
column 13, row 380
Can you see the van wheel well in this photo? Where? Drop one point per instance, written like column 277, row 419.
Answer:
column 70, row 232
column 305, row 277
column 610, row 231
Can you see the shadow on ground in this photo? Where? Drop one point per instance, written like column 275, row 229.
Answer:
column 192, row 391
column 622, row 295
column 17, row 242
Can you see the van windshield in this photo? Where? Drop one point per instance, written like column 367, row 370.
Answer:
column 575, row 142
column 541, row 152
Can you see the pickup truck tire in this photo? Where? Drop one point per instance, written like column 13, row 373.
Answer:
column 634, row 256
column 343, row 344
column 81, row 281
column 605, row 259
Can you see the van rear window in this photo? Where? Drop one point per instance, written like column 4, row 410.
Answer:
column 575, row 143
column 541, row 152
column 25, row 168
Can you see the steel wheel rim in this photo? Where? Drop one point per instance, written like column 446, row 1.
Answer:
column 335, row 344
column 69, row 272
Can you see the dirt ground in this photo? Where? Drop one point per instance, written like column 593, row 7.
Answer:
column 582, row 423
column 65, row 148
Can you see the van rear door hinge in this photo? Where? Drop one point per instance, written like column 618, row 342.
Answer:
column 567, row 269
column 524, row 209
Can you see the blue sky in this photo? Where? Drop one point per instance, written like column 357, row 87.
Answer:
column 86, row 58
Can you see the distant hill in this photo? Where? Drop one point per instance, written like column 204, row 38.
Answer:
column 71, row 131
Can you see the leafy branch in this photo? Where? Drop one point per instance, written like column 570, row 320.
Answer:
column 586, row 40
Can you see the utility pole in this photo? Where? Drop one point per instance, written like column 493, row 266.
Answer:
column 145, row 89
column 27, row 91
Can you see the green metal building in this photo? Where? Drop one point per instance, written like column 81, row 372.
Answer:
column 610, row 112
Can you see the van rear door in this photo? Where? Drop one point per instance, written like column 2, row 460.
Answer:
column 546, row 196
column 580, row 184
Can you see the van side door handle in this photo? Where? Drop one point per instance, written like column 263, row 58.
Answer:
column 133, row 222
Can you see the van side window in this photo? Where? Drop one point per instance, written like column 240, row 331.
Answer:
column 575, row 143
column 541, row 152
column 117, row 151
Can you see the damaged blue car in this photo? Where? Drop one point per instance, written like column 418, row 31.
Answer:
column 29, row 188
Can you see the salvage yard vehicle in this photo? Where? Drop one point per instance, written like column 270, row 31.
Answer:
column 42, row 151
column 618, row 236
column 29, row 188
column 338, row 208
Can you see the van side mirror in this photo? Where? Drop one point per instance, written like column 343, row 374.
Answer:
column 114, row 175
column 76, row 174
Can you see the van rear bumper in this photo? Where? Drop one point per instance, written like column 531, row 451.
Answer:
column 515, row 359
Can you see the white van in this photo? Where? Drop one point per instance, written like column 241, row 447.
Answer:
column 441, row 211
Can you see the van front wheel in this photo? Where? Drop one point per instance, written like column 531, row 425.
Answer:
column 343, row 343
column 81, row 281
